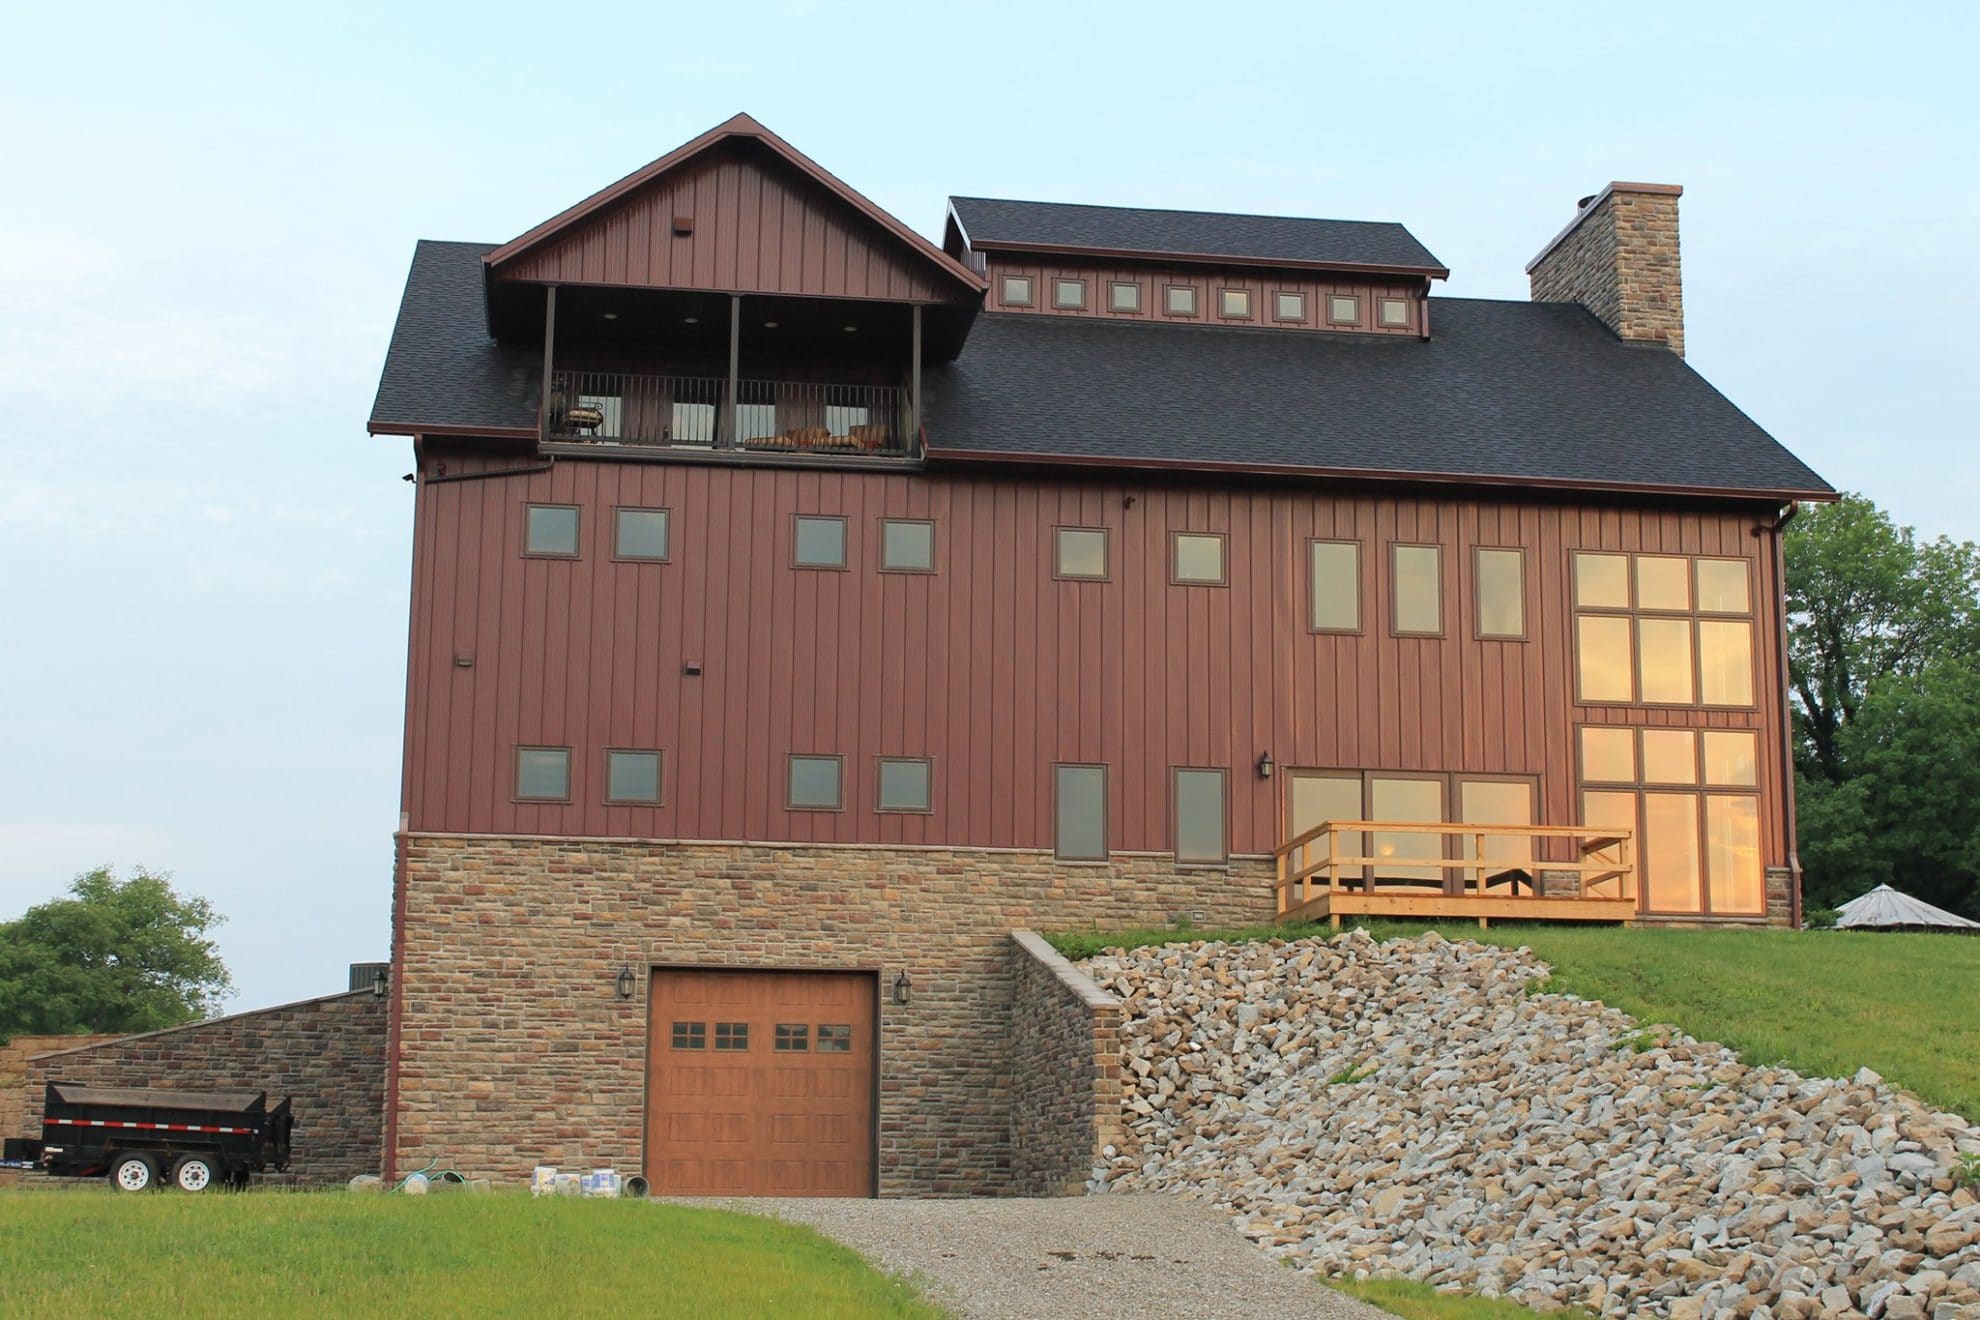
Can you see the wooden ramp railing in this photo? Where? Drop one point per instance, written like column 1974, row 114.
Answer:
column 1336, row 869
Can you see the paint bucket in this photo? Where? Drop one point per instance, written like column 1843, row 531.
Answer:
column 634, row 1186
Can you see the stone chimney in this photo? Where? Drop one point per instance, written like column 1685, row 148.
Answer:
column 1618, row 258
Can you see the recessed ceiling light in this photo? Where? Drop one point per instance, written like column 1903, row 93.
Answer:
column 611, row 316
column 769, row 325
column 851, row 328
column 692, row 320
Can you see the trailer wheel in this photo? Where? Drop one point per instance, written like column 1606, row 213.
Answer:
column 134, row 1173
column 195, row 1173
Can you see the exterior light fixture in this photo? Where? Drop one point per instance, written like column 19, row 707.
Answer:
column 611, row 316
column 901, row 987
column 626, row 982
column 378, row 983
column 691, row 320
column 769, row 325
column 1265, row 765
column 851, row 328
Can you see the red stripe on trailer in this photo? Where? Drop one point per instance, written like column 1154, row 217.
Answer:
column 148, row 1127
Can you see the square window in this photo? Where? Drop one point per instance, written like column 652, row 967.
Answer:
column 1124, row 297
column 1200, row 816
column 551, row 530
column 1017, row 290
column 1080, row 812
column 632, row 777
column 1601, row 581
column 1670, row 756
column 904, row 784
column 732, row 1035
column 1081, row 553
column 907, row 546
column 1608, row 755
column 1069, row 294
column 835, row 1038
column 1732, row 758
column 690, row 1036
column 1180, row 300
column 821, row 542
column 1235, row 304
column 814, row 784
column 1393, row 312
column 543, row 774
column 1199, row 558
column 792, row 1038
column 1722, row 587
column 639, row 534
column 1662, row 583
column 1336, row 600
column 1343, row 309
column 1289, row 306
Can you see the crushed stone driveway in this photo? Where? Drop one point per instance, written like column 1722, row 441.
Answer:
column 1125, row 1255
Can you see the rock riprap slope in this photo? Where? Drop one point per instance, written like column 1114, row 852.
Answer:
column 1418, row 1109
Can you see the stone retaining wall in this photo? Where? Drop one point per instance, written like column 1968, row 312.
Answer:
column 1065, row 1071
column 327, row 1055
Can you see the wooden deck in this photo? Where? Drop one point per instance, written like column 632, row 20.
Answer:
column 1476, row 872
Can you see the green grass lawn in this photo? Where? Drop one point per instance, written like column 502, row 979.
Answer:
column 459, row 1254
column 1419, row 1301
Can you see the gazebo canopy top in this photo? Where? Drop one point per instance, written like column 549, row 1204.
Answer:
column 1887, row 907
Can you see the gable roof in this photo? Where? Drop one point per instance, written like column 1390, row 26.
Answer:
column 990, row 224
column 739, row 126
column 443, row 371
column 1535, row 394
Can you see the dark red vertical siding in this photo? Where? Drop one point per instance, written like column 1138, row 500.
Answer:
column 990, row 666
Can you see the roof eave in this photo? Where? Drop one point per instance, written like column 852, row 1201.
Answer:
column 1212, row 258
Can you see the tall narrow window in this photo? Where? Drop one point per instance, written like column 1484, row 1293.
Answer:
column 1080, row 812
column 1336, row 586
column 1200, row 833
column 820, row 542
column 1418, row 595
column 1198, row 559
column 1501, row 593
column 814, row 784
column 551, row 531
column 639, row 534
column 1080, row 552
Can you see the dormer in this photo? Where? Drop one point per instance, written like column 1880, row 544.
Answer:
column 1195, row 267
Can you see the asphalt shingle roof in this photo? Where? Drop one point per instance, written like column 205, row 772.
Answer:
column 1264, row 238
column 443, row 368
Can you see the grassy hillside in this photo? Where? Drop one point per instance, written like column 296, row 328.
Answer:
column 1823, row 1002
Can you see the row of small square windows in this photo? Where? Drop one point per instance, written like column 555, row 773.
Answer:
column 789, row 1038
column 814, row 783
column 1069, row 295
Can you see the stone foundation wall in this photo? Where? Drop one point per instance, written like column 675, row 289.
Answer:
column 327, row 1055
column 515, row 1049
column 1065, row 1071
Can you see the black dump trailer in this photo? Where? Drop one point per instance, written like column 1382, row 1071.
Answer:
column 140, row 1139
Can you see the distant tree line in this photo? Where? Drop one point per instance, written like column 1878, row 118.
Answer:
column 1884, row 670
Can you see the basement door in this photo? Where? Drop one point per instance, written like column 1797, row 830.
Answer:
column 760, row 1083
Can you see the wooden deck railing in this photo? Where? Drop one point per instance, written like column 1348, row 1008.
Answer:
column 1327, row 870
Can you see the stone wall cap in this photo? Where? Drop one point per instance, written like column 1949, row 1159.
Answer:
column 203, row 1022
column 1587, row 207
column 1069, row 976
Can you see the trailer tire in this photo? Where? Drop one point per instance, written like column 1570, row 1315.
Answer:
column 196, row 1173
column 133, row 1173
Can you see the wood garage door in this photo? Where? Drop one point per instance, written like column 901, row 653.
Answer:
column 760, row 1083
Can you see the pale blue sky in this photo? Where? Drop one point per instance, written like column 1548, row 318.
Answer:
column 206, row 215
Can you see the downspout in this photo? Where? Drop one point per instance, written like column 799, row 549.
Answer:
column 1787, row 714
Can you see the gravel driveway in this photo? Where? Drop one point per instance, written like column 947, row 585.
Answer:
column 1095, row 1256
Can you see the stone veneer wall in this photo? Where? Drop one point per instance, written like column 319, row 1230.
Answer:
column 327, row 1055
column 1620, row 260
column 14, row 1056
column 1065, row 1071
column 516, row 1051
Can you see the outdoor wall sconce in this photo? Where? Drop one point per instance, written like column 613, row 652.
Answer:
column 626, row 982
column 378, row 983
column 1265, row 765
column 901, row 987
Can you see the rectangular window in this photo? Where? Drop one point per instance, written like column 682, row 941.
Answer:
column 1501, row 593
column 1732, row 758
column 1670, row 851
column 1698, row 852
column 639, row 534
column 791, row 1038
column 1602, row 664
column 543, row 774
column 551, row 531
column 1732, row 854
column 732, row 1035
column 690, row 1035
column 814, row 784
column 1608, row 755
column 907, row 546
column 1234, row 304
column 1725, row 662
column 1402, row 799
column 1198, row 558
column 1180, row 300
column 820, row 543
column 1080, row 553
column 1017, row 290
column 1496, row 802
column 904, row 784
column 1682, row 653
column 835, row 1038
column 1200, row 817
column 1393, row 312
column 1336, row 596
column 1289, row 307
column 1124, row 297
column 632, row 776
column 1080, row 812
column 1418, row 596
column 1663, row 659
column 1723, row 588
column 1670, row 756
column 1069, row 295
column 1343, row 309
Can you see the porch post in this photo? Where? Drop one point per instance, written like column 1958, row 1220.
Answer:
column 549, row 357
column 914, row 388
column 735, row 360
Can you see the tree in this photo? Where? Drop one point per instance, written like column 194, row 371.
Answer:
column 1884, row 666
column 116, row 956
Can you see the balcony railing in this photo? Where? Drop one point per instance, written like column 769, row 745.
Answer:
column 799, row 417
